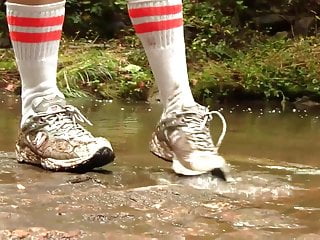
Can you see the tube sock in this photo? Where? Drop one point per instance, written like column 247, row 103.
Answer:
column 35, row 32
column 159, row 25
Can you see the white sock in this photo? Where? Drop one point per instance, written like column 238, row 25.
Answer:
column 35, row 32
column 159, row 25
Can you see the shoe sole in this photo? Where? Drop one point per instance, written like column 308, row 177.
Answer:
column 101, row 158
column 161, row 150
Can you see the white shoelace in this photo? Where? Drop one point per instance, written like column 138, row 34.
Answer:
column 224, row 125
column 63, row 123
column 197, row 124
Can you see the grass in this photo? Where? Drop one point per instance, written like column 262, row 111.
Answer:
column 104, row 72
column 268, row 70
column 276, row 68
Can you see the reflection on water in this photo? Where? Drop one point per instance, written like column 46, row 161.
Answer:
column 273, row 156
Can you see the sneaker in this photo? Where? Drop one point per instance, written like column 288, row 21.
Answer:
column 53, row 138
column 183, row 138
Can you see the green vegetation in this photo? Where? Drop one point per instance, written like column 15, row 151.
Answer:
column 233, row 51
column 102, row 71
column 268, row 70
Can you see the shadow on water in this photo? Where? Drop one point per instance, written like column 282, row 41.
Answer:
column 272, row 194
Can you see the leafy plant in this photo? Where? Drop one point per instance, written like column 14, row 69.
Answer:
column 104, row 73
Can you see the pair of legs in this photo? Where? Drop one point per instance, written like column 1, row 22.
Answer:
column 49, row 134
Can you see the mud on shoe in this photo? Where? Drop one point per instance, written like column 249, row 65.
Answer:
column 183, row 138
column 53, row 138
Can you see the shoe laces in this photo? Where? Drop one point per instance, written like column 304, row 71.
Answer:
column 62, row 123
column 196, row 122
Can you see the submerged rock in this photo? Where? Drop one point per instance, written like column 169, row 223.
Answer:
column 305, row 102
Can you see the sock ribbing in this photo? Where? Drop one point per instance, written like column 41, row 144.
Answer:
column 158, row 23
column 35, row 31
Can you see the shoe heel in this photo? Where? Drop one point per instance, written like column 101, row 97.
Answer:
column 161, row 149
column 26, row 156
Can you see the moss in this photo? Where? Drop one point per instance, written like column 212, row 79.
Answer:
column 6, row 60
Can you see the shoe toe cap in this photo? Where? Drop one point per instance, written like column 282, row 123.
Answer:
column 198, row 163
column 205, row 162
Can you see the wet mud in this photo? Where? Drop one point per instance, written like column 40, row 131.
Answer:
column 273, row 191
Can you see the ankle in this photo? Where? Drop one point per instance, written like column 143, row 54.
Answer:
column 179, row 101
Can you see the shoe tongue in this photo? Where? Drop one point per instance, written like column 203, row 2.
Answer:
column 196, row 108
column 48, row 104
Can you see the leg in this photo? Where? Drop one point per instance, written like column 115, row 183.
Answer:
column 50, row 135
column 33, row 2
column 182, row 135
column 36, row 47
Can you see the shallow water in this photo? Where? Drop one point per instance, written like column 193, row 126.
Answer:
column 273, row 193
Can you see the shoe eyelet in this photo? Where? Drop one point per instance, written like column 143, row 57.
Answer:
column 41, row 120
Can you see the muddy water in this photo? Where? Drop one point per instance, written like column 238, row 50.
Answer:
column 273, row 193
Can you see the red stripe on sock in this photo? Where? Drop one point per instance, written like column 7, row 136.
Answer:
column 35, row 22
column 154, row 11
column 158, row 26
column 35, row 37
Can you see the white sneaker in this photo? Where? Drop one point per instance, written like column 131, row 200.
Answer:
column 53, row 139
column 183, row 138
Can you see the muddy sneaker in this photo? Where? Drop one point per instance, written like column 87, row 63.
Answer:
column 183, row 137
column 53, row 138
